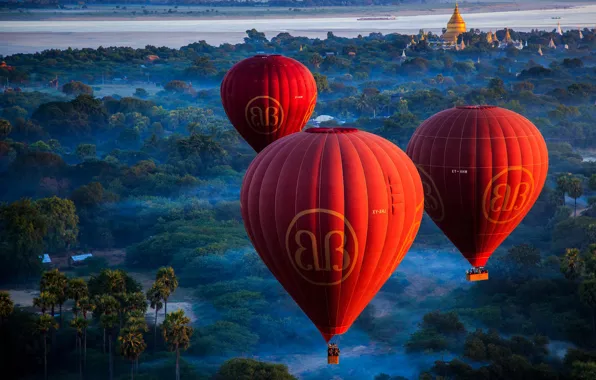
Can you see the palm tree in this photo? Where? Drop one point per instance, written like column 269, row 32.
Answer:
column 77, row 289
column 80, row 324
column 45, row 323
column 116, row 282
column 85, row 306
column 132, row 345
column 167, row 278
column 45, row 301
column 155, row 296
column 106, row 305
column 177, row 334
column 116, row 286
column 136, row 323
column 6, row 306
column 575, row 190
column 108, row 321
column 55, row 282
column 135, row 302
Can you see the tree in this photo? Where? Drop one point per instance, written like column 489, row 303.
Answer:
column 77, row 88
column 572, row 264
column 22, row 230
column 583, row 371
column 108, row 308
column 135, row 302
column 523, row 256
column 475, row 349
column 108, row 305
column 322, row 83
column 141, row 93
column 167, row 280
column 587, row 294
column 132, row 345
column 62, row 222
column 5, row 128
column 575, row 190
column 6, row 306
column 315, row 59
column 45, row 301
column 592, row 182
column 84, row 307
column 56, row 283
column 176, row 86
column 80, row 325
column 155, row 296
column 177, row 334
column 86, row 151
column 45, row 324
column 248, row 369
column 77, row 289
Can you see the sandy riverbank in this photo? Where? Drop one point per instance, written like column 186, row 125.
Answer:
column 140, row 12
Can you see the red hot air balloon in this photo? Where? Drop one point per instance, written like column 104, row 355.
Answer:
column 332, row 212
column 267, row 97
column 482, row 168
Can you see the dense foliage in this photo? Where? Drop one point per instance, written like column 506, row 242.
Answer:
column 153, row 179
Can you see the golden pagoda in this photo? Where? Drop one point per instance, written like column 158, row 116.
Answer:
column 489, row 37
column 455, row 26
column 507, row 38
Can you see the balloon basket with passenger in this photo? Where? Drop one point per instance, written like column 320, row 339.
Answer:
column 477, row 274
column 332, row 353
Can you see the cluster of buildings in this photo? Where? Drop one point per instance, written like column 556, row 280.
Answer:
column 452, row 38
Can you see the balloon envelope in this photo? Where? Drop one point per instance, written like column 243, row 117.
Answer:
column 267, row 97
column 332, row 212
column 482, row 168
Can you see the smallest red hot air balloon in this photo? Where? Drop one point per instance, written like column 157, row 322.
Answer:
column 267, row 97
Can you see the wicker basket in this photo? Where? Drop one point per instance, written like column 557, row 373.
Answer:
column 477, row 276
column 332, row 359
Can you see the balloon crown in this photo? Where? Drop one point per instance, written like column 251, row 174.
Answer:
column 475, row 107
column 331, row 130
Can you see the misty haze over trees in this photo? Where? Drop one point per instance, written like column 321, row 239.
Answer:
column 149, row 184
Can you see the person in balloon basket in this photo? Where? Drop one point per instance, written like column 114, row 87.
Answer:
column 477, row 270
column 332, row 349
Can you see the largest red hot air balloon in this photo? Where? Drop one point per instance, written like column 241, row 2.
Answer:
column 482, row 168
column 332, row 212
column 267, row 97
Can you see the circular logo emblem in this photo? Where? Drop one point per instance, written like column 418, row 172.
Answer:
column 318, row 255
column 264, row 115
column 507, row 201
column 410, row 236
column 310, row 110
column 433, row 204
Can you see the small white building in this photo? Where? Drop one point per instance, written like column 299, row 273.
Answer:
column 79, row 259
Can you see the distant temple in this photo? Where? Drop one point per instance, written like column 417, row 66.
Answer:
column 551, row 44
column 490, row 37
column 455, row 26
column 3, row 65
column 508, row 41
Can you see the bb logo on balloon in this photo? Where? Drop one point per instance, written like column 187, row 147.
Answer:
column 311, row 109
column 433, row 204
column 505, row 199
column 264, row 115
column 322, row 257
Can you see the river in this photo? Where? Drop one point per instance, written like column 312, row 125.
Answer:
column 34, row 36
